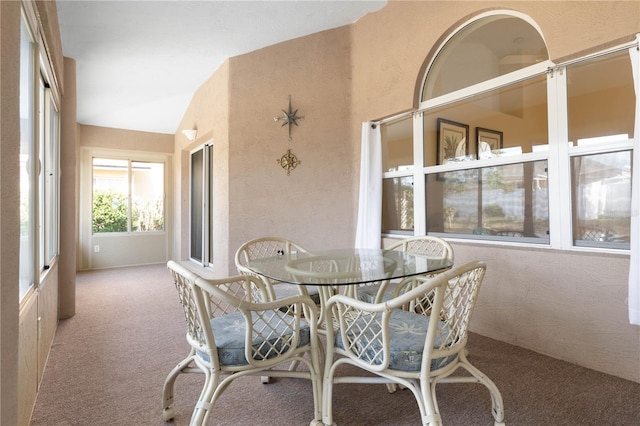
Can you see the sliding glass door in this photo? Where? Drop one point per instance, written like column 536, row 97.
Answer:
column 200, row 205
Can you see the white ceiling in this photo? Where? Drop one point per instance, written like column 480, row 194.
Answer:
column 138, row 63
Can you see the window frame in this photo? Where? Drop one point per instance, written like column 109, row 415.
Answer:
column 558, row 155
column 49, row 178
column 44, row 161
column 130, row 159
column 585, row 151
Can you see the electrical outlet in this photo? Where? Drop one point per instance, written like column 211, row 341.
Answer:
column 96, row 249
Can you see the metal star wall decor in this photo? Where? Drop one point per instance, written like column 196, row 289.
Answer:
column 289, row 117
column 288, row 162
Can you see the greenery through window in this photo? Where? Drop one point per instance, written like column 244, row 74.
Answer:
column 128, row 196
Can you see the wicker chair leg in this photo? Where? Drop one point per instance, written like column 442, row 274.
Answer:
column 497, row 406
column 327, row 396
column 167, row 390
column 205, row 402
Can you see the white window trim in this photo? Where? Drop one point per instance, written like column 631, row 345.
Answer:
column 558, row 155
column 86, row 187
column 486, row 86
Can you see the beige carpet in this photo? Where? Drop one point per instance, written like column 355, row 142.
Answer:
column 108, row 364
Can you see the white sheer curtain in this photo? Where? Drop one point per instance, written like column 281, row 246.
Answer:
column 634, row 264
column 369, row 226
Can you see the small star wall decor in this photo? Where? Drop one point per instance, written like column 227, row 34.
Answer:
column 289, row 117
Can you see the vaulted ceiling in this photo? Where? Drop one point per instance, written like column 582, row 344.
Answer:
column 138, row 63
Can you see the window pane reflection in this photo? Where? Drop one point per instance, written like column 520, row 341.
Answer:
column 509, row 201
column 485, row 49
column 602, row 199
column 397, row 204
column 511, row 120
column 397, row 145
column 601, row 99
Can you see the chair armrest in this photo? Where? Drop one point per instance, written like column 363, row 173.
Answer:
column 427, row 286
column 270, row 331
column 363, row 329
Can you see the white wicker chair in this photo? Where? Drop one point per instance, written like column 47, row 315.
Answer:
column 270, row 247
column 427, row 246
column 233, row 336
column 265, row 247
column 408, row 347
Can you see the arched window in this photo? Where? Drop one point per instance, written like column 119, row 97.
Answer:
column 489, row 152
column 482, row 50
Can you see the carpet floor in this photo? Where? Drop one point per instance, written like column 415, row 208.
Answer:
column 108, row 363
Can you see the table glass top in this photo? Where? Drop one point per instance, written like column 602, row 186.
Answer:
column 345, row 266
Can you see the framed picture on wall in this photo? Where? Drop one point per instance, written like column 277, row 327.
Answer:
column 487, row 140
column 452, row 140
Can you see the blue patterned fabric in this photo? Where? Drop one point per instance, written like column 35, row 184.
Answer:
column 368, row 293
column 283, row 290
column 229, row 332
column 408, row 332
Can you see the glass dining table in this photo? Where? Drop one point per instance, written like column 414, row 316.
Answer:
column 346, row 269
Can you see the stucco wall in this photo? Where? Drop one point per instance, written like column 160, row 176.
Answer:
column 208, row 112
column 137, row 248
column 253, row 196
column 566, row 304
column 569, row 305
column 390, row 46
column 9, row 208
column 128, row 140
column 314, row 204
column 69, row 185
column 26, row 329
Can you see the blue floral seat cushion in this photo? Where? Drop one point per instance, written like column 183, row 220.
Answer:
column 368, row 293
column 408, row 332
column 229, row 333
column 283, row 290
